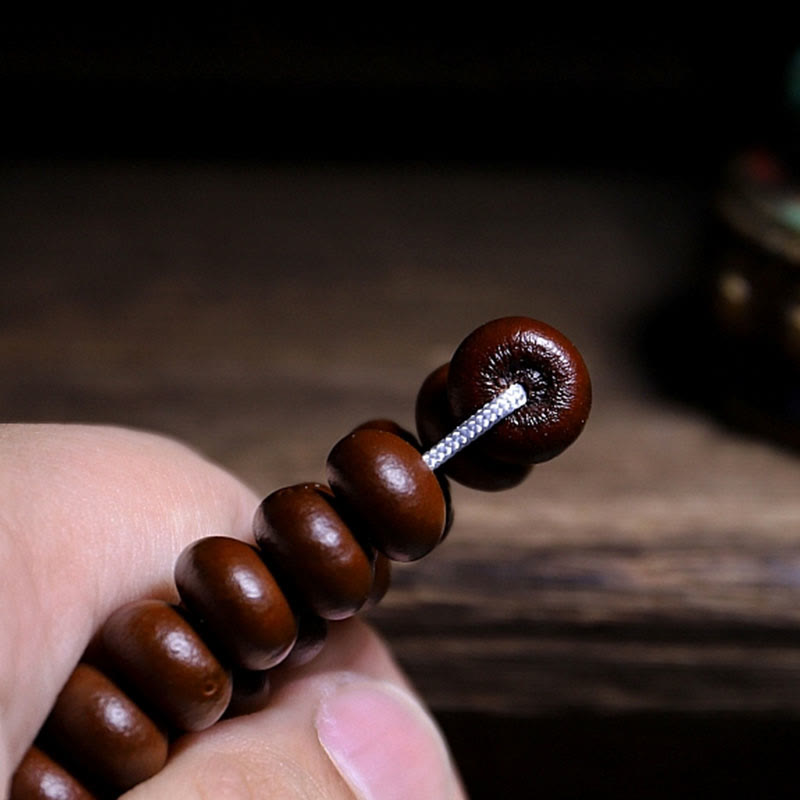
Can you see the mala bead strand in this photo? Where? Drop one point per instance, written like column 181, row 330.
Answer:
column 323, row 553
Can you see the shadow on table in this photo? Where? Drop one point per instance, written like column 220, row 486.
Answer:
column 625, row 756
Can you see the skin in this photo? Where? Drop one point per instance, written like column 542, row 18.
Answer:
column 93, row 517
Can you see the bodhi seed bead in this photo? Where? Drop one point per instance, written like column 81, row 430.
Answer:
column 398, row 430
column 388, row 493
column 224, row 582
column 158, row 653
column 38, row 777
column 312, row 551
column 100, row 730
column 549, row 368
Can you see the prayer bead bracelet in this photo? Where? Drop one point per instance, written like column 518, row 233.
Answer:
column 521, row 393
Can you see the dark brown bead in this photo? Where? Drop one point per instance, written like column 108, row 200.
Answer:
column 549, row 367
column 309, row 547
column 398, row 430
column 225, row 583
column 251, row 690
column 103, row 733
column 313, row 631
column 471, row 467
column 157, row 652
column 381, row 580
column 38, row 777
column 389, row 493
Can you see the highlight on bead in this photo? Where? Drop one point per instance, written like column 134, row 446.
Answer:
column 515, row 393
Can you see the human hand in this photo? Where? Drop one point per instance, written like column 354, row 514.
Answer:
column 94, row 517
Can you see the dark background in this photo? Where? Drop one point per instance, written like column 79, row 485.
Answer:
column 665, row 94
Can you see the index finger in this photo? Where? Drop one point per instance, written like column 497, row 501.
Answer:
column 92, row 517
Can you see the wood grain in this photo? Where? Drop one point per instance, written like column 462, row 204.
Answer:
column 261, row 312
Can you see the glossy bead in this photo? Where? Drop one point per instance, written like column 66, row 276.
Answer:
column 251, row 689
column 470, row 467
column 38, row 777
column 312, row 552
column 103, row 733
column 224, row 582
column 521, row 350
column 158, row 653
column 312, row 633
column 398, row 430
column 388, row 493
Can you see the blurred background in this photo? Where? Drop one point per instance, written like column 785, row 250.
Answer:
column 254, row 232
column 264, row 85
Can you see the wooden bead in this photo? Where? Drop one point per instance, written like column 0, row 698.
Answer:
column 398, row 430
column 521, row 350
column 38, row 777
column 225, row 583
column 97, row 728
column 388, row 492
column 312, row 551
column 470, row 467
column 157, row 652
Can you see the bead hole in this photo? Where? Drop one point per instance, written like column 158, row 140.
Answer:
column 538, row 386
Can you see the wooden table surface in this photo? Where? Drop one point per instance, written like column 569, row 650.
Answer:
column 260, row 312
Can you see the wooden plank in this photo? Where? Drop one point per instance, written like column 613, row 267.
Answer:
column 261, row 313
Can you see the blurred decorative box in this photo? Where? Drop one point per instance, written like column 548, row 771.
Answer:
column 730, row 341
column 753, row 297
